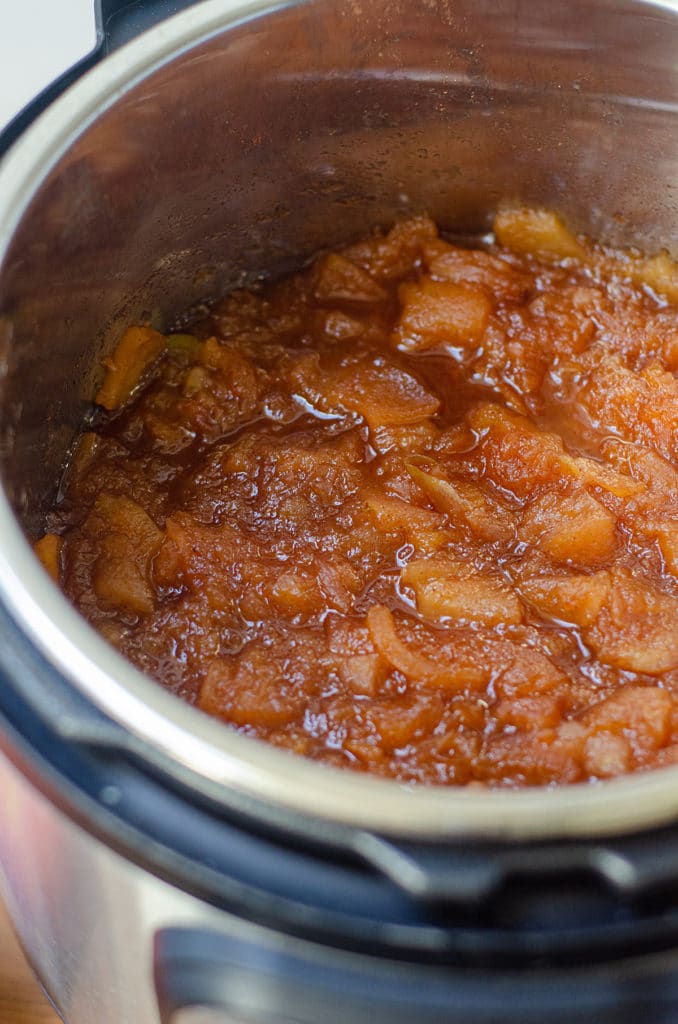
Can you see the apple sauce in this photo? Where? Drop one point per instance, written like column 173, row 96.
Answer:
column 411, row 511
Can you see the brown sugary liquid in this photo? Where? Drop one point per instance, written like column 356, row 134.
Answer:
column 413, row 511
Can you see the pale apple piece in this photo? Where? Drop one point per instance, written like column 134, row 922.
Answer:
column 392, row 513
column 296, row 594
column 249, row 689
column 599, row 475
column 406, row 437
column 441, row 313
column 642, row 714
column 233, row 366
column 607, row 755
column 363, row 674
column 647, row 467
column 48, row 550
column 445, row 589
column 340, row 280
column 127, row 539
column 520, row 454
column 635, row 406
column 530, row 713
column 399, row 723
column 576, row 599
column 462, row 502
column 536, row 232
column 637, row 627
column 659, row 272
column 667, row 537
column 137, row 350
column 475, row 268
column 570, row 528
column 455, row 675
column 84, row 451
column 382, row 393
column 394, row 255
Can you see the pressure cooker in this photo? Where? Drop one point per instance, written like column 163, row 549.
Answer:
column 159, row 867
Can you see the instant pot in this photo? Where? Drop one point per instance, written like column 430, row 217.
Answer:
column 159, row 867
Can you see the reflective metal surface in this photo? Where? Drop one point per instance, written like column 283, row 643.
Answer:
column 86, row 917
column 204, row 1015
column 234, row 140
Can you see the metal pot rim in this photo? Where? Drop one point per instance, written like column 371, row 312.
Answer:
column 221, row 763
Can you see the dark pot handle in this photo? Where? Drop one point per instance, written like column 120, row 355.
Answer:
column 470, row 875
column 229, row 979
column 234, row 981
column 213, row 978
column 117, row 22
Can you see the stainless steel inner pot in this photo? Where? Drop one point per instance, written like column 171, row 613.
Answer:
column 233, row 141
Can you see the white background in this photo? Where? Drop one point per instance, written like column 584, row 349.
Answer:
column 38, row 40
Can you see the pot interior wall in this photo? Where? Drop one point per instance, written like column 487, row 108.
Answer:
column 302, row 129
